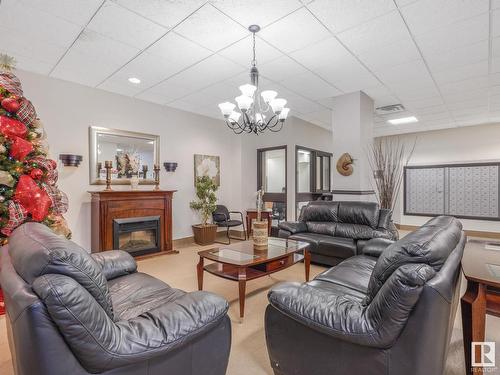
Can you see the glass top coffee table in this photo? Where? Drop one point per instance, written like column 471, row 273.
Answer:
column 241, row 262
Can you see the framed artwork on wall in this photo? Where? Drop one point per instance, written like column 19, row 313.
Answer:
column 206, row 165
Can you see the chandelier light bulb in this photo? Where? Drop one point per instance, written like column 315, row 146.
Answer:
column 268, row 95
column 234, row 116
column 244, row 102
column 248, row 90
column 284, row 113
column 277, row 105
column 226, row 108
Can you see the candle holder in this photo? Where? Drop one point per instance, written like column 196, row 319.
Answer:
column 156, row 169
column 144, row 171
column 108, row 164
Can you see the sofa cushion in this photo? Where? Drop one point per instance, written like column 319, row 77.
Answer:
column 321, row 227
column 430, row 244
column 365, row 213
column 36, row 250
column 355, row 231
column 353, row 273
column 319, row 211
column 139, row 293
column 327, row 245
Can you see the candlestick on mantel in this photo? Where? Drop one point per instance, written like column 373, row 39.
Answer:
column 108, row 164
column 156, row 169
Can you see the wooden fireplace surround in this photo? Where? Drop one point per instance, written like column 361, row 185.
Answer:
column 109, row 205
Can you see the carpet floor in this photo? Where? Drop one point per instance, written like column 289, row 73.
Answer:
column 248, row 351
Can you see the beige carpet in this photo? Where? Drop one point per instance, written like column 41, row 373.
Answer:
column 248, row 351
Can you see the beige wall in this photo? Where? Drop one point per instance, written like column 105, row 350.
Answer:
column 457, row 145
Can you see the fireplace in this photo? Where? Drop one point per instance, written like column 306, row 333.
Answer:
column 137, row 235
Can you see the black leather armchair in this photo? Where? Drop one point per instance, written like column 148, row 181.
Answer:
column 389, row 310
column 70, row 312
column 338, row 230
column 222, row 218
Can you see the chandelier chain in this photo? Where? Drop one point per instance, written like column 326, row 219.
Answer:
column 254, row 62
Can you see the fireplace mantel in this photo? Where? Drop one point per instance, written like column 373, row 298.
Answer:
column 110, row 205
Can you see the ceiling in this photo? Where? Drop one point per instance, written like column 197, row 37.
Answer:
column 439, row 58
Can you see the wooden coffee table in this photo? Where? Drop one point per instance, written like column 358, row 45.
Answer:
column 241, row 262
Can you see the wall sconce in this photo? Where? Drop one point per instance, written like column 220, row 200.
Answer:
column 170, row 166
column 70, row 160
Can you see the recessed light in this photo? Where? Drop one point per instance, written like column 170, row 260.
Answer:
column 134, row 80
column 403, row 120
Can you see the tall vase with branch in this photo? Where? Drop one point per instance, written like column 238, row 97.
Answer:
column 387, row 158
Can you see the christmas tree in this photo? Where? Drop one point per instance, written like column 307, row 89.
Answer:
column 28, row 190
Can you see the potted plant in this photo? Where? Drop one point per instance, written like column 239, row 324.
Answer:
column 204, row 233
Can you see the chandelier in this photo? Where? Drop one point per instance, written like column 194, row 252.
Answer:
column 258, row 110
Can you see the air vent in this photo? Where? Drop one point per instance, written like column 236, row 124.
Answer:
column 390, row 109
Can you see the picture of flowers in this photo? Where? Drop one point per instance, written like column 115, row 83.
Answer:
column 206, row 165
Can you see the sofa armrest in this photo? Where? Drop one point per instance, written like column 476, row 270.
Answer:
column 115, row 263
column 377, row 324
column 293, row 226
column 375, row 246
column 101, row 344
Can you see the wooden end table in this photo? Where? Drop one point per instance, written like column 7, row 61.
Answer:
column 481, row 267
column 241, row 262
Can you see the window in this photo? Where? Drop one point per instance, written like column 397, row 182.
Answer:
column 271, row 177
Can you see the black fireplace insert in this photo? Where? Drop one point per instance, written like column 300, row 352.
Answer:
column 137, row 235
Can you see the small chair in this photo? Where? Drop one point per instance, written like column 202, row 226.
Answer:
column 222, row 217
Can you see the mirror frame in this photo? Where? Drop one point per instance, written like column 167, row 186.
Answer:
column 93, row 133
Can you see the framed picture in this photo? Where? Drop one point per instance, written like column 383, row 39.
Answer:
column 206, row 165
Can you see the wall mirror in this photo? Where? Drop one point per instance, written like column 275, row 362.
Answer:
column 132, row 154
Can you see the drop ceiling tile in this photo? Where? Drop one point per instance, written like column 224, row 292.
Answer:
column 326, row 52
column 30, row 52
column 386, row 29
column 118, row 23
column 461, row 73
column 415, row 91
column 459, row 57
column 241, row 52
column 207, row 72
column 423, row 103
column 281, row 68
column 120, row 87
column 151, row 96
column 468, row 95
column 348, row 79
column 213, row 95
column 495, row 4
column 93, row 58
column 295, row 31
column 469, row 84
column 300, row 104
column 167, row 13
column 495, row 23
column 339, row 15
column 179, row 104
column 425, row 15
column 432, row 110
column 310, row 86
column 456, row 35
column 211, row 29
column 36, row 26
column 76, row 11
column 379, row 57
column 410, row 74
column 256, row 12
column 166, row 92
column 495, row 46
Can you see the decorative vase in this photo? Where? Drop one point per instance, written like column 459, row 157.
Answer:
column 204, row 234
column 134, row 182
column 260, row 235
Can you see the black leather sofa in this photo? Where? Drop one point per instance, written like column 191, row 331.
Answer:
column 338, row 230
column 388, row 311
column 70, row 312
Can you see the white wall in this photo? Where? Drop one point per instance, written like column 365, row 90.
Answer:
column 67, row 110
column 295, row 132
column 457, row 145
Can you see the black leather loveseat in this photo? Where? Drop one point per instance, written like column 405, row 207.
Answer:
column 338, row 230
column 73, row 313
column 388, row 311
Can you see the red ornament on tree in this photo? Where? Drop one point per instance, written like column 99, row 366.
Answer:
column 20, row 148
column 33, row 198
column 11, row 104
column 36, row 173
column 12, row 128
